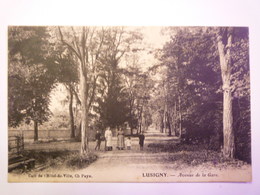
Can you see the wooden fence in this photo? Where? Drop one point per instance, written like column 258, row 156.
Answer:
column 15, row 145
column 15, row 157
column 42, row 134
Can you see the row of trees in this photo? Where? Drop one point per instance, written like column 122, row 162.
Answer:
column 204, row 92
column 87, row 61
column 198, row 91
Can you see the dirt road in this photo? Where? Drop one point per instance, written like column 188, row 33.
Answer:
column 142, row 166
column 130, row 165
column 148, row 166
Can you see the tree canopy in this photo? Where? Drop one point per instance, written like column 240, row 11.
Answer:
column 30, row 75
column 196, row 87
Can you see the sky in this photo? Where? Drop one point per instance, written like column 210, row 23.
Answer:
column 153, row 36
column 152, row 39
column 155, row 40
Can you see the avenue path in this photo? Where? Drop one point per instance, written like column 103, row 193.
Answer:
column 132, row 165
column 148, row 165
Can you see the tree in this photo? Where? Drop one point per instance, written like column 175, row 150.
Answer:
column 138, row 85
column 224, row 41
column 190, row 83
column 209, row 69
column 86, row 43
column 30, row 76
column 131, row 82
column 113, row 100
column 91, row 45
column 176, row 57
column 112, row 107
column 67, row 74
column 232, row 44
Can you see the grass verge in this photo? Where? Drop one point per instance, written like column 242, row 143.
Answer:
column 194, row 155
column 61, row 159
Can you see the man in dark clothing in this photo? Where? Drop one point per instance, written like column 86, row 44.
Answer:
column 141, row 141
column 98, row 140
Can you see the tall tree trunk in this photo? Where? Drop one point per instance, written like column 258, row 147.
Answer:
column 161, row 123
column 228, row 132
column 180, row 118
column 224, row 44
column 84, row 110
column 140, row 120
column 35, row 130
column 169, row 124
column 72, row 126
column 165, row 117
column 131, row 124
column 175, row 118
column 81, row 46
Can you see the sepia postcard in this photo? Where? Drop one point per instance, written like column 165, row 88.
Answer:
column 129, row 104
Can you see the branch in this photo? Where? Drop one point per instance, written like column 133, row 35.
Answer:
column 83, row 44
column 67, row 44
column 119, row 40
column 70, row 87
column 100, row 44
column 93, row 91
column 76, row 95
column 75, row 42
column 118, row 58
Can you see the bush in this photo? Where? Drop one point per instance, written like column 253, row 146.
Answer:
column 61, row 159
column 47, row 157
column 77, row 161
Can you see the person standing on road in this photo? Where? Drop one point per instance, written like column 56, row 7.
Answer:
column 108, row 137
column 98, row 140
column 120, row 137
column 141, row 140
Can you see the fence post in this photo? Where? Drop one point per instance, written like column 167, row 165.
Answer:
column 22, row 142
column 49, row 134
column 17, row 144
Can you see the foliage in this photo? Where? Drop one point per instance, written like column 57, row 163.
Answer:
column 194, row 155
column 59, row 120
column 30, row 75
column 113, row 102
column 61, row 159
column 77, row 161
column 112, row 108
column 182, row 94
column 191, row 90
column 138, row 85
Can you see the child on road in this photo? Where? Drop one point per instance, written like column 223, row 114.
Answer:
column 128, row 143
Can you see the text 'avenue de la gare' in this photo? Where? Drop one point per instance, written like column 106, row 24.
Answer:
column 179, row 175
column 197, row 175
